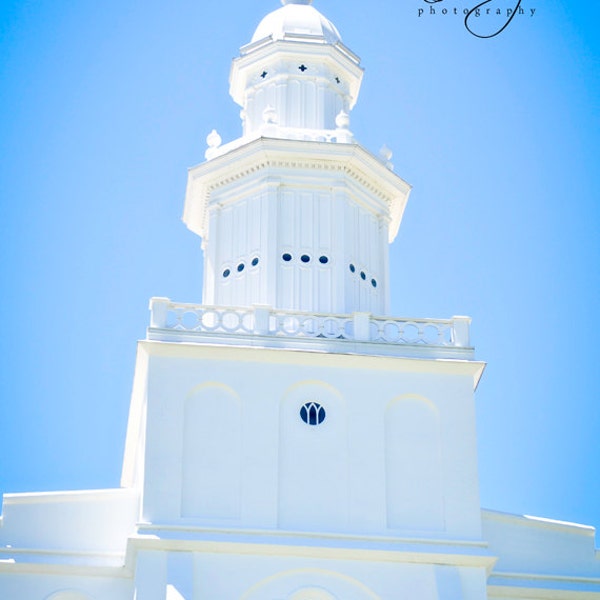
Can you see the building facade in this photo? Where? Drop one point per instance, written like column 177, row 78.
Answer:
column 287, row 439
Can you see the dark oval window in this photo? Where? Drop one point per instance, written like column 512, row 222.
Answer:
column 352, row 268
column 373, row 283
column 323, row 260
column 287, row 257
column 305, row 258
column 241, row 267
column 226, row 273
column 312, row 413
column 255, row 261
column 362, row 275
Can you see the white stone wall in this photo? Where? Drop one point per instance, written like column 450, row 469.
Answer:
column 231, row 417
column 38, row 584
column 282, row 577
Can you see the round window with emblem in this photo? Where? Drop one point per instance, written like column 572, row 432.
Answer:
column 312, row 413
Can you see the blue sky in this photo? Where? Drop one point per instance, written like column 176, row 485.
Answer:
column 105, row 105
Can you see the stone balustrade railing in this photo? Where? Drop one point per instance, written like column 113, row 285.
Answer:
column 173, row 318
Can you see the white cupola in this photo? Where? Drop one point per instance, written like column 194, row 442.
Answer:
column 296, row 18
column 295, row 73
column 295, row 214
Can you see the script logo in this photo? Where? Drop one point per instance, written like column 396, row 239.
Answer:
column 476, row 16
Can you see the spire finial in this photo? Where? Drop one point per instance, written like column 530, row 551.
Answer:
column 284, row 2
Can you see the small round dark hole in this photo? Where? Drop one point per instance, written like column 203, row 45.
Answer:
column 305, row 258
column 323, row 260
column 254, row 261
column 362, row 275
column 287, row 257
column 352, row 268
column 240, row 267
column 373, row 283
column 226, row 273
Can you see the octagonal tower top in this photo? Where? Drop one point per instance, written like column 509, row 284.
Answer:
column 294, row 214
column 297, row 18
column 295, row 79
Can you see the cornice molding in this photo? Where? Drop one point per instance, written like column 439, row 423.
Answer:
column 308, row 159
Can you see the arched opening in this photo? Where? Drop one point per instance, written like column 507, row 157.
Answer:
column 310, row 584
column 414, row 491
column 69, row 595
column 211, row 462
column 313, row 459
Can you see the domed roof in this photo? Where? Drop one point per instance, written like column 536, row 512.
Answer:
column 297, row 18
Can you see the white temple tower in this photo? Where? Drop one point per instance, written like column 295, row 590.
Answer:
column 287, row 438
column 289, row 413
column 295, row 214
